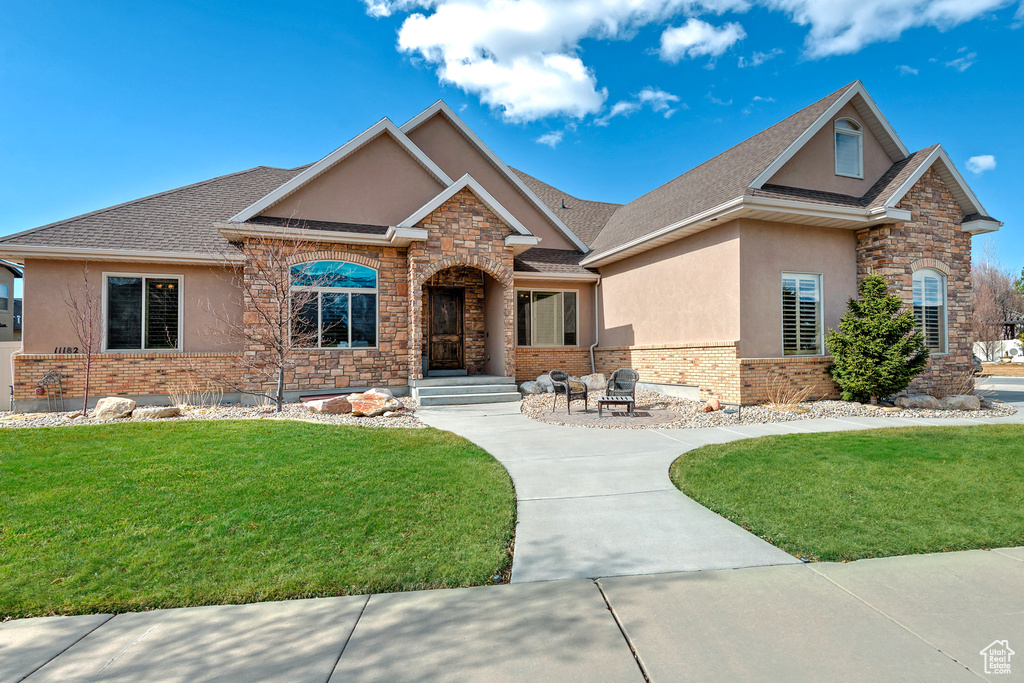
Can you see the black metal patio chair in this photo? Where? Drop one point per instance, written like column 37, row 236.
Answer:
column 623, row 383
column 573, row 389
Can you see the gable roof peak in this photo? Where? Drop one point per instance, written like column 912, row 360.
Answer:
column 441, row 107
column 383, row 127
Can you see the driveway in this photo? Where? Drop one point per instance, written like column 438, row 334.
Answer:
column 599, row 503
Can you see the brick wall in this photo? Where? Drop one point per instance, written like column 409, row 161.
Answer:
column 532, row 362
column 774, row 379
column 462, row 232
column 932, row 238
column 113, row 374
column 473, row 325
column 713, row 366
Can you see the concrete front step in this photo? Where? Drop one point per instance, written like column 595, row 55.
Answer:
column 463, row 399
column 466, row 389
column 468, row 380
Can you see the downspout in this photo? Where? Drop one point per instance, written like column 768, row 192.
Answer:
column 593, row 367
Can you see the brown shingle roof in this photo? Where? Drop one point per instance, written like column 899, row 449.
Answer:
column 712, row 183
column 539, row 260
column 584, row 217
column 178, row 220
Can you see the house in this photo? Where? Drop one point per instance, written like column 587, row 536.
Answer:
column 435, row 258
column 10, row 309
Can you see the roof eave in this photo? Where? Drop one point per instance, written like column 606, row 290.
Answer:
column 19, row 253
column 762, row 208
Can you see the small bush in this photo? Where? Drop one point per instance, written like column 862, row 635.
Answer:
column 877, row 350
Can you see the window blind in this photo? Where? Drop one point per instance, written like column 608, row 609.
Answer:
column 930, row 309
column 801, row 314
column 848, row 154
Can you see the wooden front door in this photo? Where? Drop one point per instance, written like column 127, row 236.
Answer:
column 445, row 345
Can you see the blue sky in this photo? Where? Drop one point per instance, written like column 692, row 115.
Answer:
column 107, row 102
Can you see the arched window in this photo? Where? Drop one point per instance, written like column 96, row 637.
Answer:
column 930, row 308
column 849, row 148
column 334, row 305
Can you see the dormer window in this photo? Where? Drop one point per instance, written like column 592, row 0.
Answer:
column 849, row 149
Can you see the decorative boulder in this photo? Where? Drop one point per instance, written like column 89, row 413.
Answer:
column 156, row 412
column 920, row 401
column 961, row 402
column 372, row 405
column 545, row 383
column 381, row 392
column 712, row 405
column 596, row 382
column 113, row 407
column 339, row 405
column 531, row 388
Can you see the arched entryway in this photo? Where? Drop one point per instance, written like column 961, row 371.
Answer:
column 463, row 324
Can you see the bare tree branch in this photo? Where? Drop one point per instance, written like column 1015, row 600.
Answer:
column 83, row 309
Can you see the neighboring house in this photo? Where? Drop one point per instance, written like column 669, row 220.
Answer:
column 10, row 308
column 17, row 320
column 443, row 260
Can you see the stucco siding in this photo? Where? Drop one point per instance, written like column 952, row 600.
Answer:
column 768, row 250
column 380, row 184
column 46, row 322
column 814, row 166
column 456, row 156
column 686, row 291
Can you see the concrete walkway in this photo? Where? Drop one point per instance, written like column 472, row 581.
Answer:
column 923, row 617
column 599, row 502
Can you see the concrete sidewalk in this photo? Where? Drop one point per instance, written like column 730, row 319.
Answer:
column 599, row 502
column 924, row 617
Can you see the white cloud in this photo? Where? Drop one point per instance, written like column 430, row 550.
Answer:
column 664, row 103
column 840, row 27
column 759, row 58
column 758, row 98
column 906, row 70
column 964, row 63
column 715, row 100
column 659, row 100
column 522, row 57
column 698, row 38
column 981, row 163
column 551, row 139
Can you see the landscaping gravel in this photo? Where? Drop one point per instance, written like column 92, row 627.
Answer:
column 539, row 407
column 291, row 411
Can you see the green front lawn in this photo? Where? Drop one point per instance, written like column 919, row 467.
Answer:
column 126, row 517
column 851, row 495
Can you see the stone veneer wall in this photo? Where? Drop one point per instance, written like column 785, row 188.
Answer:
column 461, row 232
column 385, row 365
column 131, row 374
column 932, row 238
column 473, row 325
column 533, row 362
column 713, row 366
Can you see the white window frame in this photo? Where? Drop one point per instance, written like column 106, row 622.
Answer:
column 6, row 298
column 821, row 315
column 337, row 290
column 546, row 290
column 145, row 311
column 859, row 135
column 944, row 280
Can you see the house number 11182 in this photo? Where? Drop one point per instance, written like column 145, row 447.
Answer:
column 65, row 349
